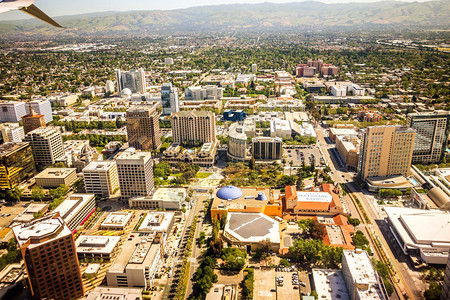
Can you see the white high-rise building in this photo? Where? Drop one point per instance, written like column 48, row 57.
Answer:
column 134, row 80
column 12, row 111
column 46, row 144
column 169, row 99
column 135, row 170
column 254, row 68
column 42, row 107
column 209, row 92
column 109, row 87
column 12, row 133
column 100, row 178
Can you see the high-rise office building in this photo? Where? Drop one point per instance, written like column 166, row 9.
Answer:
column 143, row 127
column 12, row 133
column 16, row 164
column 50, row 257
column 33, row 121
column 100, row 178
column 135, row 170
column 42, row 107
column 432, row 130
column 47, row 145
column 445, row 292
column 386, row 151
column 12, row 111
column 267, row 148
column 169, row 99
column 133, row 80
column 193, row 127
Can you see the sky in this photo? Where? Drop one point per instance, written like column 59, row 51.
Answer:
column 72, row 7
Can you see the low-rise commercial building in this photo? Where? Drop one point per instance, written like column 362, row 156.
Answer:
column 158, row 222
column 348, row 148
column 330, row 284
column 204, row 157
column 54, row 177
column 324, row 200
column 361, row 278
column 137, row 263
column 106, row 292
column 421, row 233
column 76, row 209
column 280, row 128
column 97, row 246
column 116, row 221
column 163, row 198
column 30, row 213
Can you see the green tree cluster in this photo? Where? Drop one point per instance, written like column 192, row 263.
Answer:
column 383, row 271
column 204, row 278
column 312, row 229
column 234, row 259
column 247, row 286
column 13, row 254
column 96, row 140
column 58, row 195
column 314, row 253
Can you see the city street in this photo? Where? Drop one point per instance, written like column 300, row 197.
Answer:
column 340, row 175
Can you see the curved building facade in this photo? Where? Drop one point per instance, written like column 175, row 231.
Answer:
column 237, row 143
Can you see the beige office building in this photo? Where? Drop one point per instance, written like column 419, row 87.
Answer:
column 135, row 170
column 47, row 145
column 193, row 127
column 101, row 178
column 54, row 177
column 143, row 127
column 50, row 257
column 386, row 151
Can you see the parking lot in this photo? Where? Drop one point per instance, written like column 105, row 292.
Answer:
column 298, row 154
column 264, row 284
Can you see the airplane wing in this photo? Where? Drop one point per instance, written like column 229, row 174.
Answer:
column 36, row 12
column 28, row 7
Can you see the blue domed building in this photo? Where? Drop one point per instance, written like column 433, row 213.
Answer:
column 229, row 193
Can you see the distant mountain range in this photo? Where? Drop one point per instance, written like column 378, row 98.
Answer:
column 245, row 17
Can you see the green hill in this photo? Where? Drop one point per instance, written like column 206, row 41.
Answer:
column 246, row 17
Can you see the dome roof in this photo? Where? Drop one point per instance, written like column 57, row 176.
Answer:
column 229, row 193
column 87, row 150
column 126, row 92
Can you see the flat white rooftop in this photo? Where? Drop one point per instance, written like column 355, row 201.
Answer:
column 314, row 197
column 96, row 244
column 169, row 194
column 114, row 293
column 417, row 226
column 44, row 229
column 330, row 284
column 72, row 205
column 55, row 173
column 99, row 165
column 116, row 219
column 157, row 221
column 363, row 274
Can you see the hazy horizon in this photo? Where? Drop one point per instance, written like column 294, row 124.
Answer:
column 55, row 8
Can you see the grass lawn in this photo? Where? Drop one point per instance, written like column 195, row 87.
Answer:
column 203, row 174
